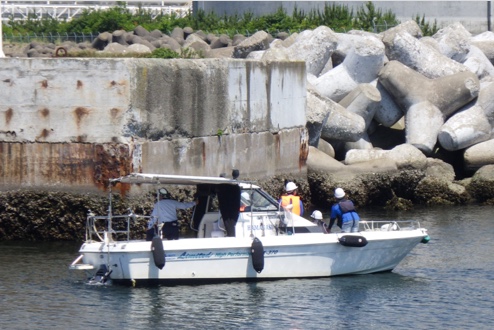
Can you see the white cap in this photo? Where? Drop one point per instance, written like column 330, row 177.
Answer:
column 316, row 215
column 339, row 193
column 290, row 186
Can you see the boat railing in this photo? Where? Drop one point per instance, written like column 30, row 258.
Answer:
column 387, row 225
column 111, row 227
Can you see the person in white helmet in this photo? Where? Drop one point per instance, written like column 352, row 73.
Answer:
column 245, row 203
column 165, row 212
column 343, row 211
column 318, row 219
column 291, row 201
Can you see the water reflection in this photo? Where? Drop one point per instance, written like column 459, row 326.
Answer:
column 444, row 284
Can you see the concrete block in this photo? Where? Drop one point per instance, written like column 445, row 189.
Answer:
column 361, row 65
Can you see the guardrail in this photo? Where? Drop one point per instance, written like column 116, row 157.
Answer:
column 21, row 10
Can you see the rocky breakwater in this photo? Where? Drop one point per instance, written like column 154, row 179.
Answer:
column 395, row 118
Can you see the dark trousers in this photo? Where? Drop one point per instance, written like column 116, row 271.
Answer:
column 230, row 227
column 170, row 231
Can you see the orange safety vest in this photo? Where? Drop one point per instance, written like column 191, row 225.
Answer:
column 291, row 199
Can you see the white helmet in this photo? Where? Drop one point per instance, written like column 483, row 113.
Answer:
column 245, row 195
column 339, row 193
column 290, row 186
column 316, row 215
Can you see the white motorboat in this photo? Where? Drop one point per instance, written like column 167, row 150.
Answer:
column 269, row 243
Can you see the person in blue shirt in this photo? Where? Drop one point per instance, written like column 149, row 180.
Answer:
column 343, row 211
column 165, row 212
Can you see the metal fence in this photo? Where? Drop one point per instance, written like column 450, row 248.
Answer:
column 55, row 38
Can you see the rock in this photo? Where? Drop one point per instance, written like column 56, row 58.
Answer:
column 427, row 102
column 361, row 65
column 405, row 156
column 326, row 147
column 140, row 31
column 482, row 184
column 187, row 31
column 362, row 101
column 331, row 121
column 433, row 191
column 420, row 57
column 440, row 170
column 258, row 41
column 388, row 112
column 478, row 63
column 115, row 48
column 315, row 49
column 479, row 155
column 318, row 160
column 453, row 41
column 139, row 49
column 102, row 40
column 120, row 36
column 196, row 43
column 225, row 52
column 157, row 34
column 178, row 34
column 237, row 39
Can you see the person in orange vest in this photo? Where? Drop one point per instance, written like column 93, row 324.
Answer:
column 291, row 201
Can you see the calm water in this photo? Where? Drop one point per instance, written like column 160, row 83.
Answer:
column 446, row 284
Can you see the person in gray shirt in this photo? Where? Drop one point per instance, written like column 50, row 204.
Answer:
column 165, row 212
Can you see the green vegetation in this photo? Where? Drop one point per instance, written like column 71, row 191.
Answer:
column 427, row 29
column 338, row 17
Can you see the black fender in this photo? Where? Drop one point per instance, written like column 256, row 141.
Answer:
column 158, row 252
column 257, row 252
column 353, row 240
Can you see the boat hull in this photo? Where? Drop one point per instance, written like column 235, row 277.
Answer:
column 223, row 259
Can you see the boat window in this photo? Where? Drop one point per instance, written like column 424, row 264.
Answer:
column 255, row 200
column 213, row 204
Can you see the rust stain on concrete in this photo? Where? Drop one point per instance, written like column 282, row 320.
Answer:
column 8, row 115
column 111, row 161
column 277, row 145
column 80, row 112
column 68, row 164
column 44, row 134
column 113, row 83
column 304, row 148
column 44, row 83
column 79, row 84
column 203, row 152
column 44, row 112
column 114, row 112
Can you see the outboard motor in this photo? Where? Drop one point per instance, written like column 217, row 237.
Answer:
column 101, row 277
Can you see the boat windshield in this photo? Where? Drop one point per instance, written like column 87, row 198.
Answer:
column 257, row 200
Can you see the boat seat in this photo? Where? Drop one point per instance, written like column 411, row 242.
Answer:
column 211, row 226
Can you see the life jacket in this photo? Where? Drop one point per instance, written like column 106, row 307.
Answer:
column 348, row 211
column 293, row 200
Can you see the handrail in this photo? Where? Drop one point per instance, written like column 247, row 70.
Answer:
column 97, row 226
column 389, row 225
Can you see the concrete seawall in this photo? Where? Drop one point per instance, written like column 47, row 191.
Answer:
column 74, row 123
